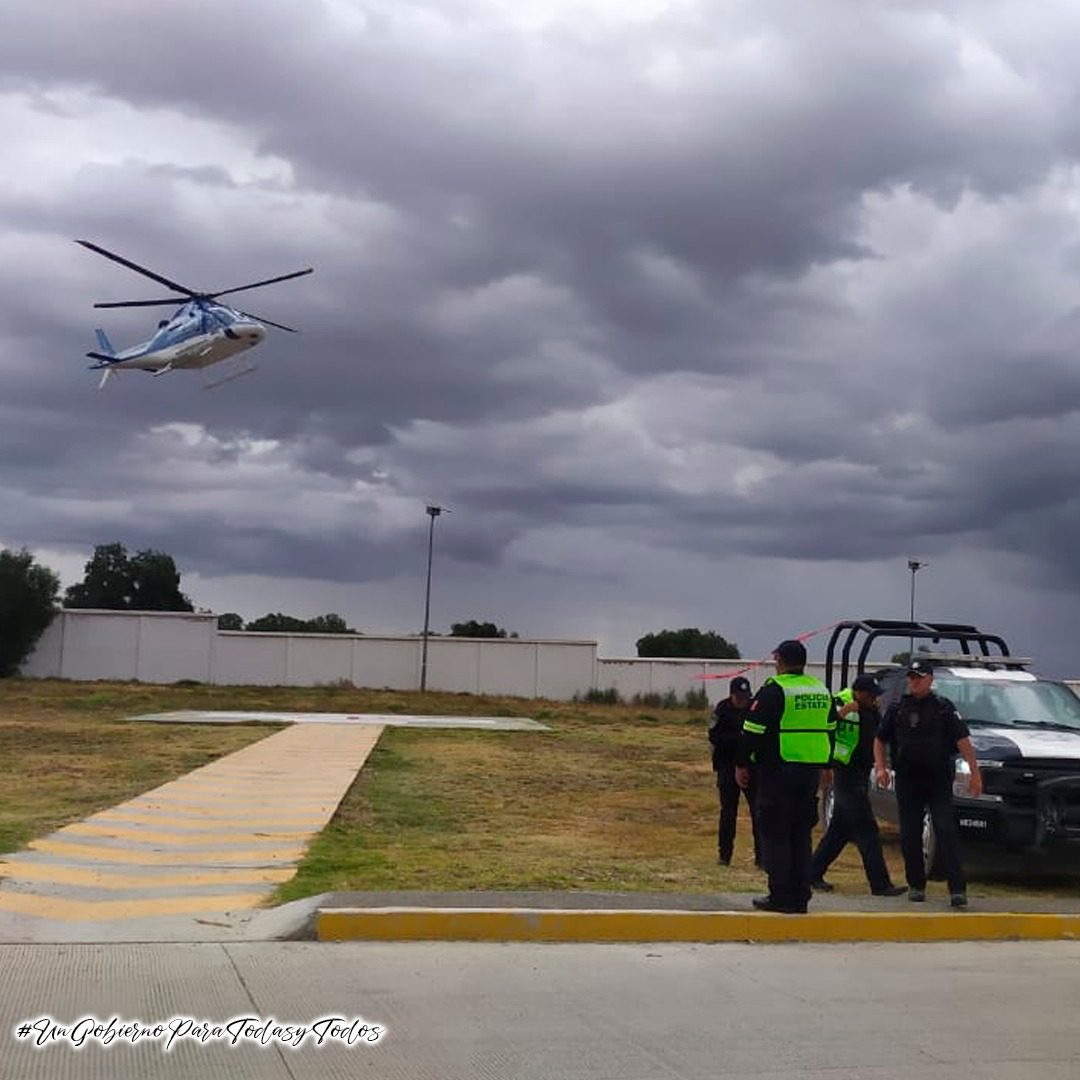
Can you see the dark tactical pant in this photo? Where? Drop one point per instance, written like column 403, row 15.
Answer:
column 915, row 794
column 786, row 809
column 852, row 822
column 730, row 793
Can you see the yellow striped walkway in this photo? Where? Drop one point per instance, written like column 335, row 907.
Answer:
column 214, row 842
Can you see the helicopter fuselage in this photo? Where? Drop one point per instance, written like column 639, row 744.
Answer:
column 197, row 336
column 201, row 332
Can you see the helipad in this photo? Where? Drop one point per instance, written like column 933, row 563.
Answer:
column 488, row 723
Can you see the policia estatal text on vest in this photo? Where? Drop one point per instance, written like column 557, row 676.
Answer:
column 789, row 737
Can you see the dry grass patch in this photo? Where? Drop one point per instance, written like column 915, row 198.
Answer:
column 609, row 799
column 612, row 798
column 67, row 751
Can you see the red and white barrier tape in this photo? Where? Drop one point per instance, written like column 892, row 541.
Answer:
column 768, row 660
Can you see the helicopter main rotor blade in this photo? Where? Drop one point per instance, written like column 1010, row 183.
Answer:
column 137, row 268
column 269, row 322
column 176, row 301
column 260, row 284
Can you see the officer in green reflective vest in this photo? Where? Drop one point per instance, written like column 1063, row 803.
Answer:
column 789, row 736
column 852, row 819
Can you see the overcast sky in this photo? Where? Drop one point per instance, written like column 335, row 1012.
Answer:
column 694, row 313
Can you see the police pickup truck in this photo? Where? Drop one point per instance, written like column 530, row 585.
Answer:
column 1025, row 731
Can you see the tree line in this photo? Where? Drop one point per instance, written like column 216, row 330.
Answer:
column 113, row 580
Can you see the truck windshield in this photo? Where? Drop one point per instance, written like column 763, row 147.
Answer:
column 1011, row 704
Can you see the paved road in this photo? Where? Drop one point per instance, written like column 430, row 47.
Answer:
column 654, row 1012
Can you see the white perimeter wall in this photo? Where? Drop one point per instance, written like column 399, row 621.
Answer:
column 167, row 648
column 633, row 676
column 147, row 647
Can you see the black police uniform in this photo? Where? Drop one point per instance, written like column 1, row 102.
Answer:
column 922, row 736
column 785, row 805
column 725, row 731
column 853, row 818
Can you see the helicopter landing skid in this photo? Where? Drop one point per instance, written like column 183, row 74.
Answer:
column 235, row 371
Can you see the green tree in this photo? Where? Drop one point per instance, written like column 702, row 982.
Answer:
column 688, row 642
column 28, row 593
column 330, row 623
column 277, row 623
column 106, row 582
column 472, row 628
column 903, row 658
column 157, row 583
column 230, row 621
column 148, row 581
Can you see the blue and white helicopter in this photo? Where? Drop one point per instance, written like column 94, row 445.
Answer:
column 200, row 333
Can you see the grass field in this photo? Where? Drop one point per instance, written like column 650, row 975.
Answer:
column 614, row 797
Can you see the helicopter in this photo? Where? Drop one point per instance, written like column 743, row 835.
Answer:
column 200, row 333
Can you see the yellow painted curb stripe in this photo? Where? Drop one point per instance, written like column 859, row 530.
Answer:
column 54, row 907
column 165, row 858
column 113, row 879
column 252, row 836
column 536, row 924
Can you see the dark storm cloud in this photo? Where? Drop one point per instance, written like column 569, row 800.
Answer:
column 995, row 388
column 761, row 278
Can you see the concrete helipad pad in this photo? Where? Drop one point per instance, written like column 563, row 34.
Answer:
column 486, row 723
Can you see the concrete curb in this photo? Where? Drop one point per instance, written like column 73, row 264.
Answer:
column 565, row 925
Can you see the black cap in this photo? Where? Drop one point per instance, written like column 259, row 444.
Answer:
column 920, row 667
column 740, row 685
column 793, row 653
column 868, row 682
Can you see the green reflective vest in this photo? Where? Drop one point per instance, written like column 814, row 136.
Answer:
column 806, row 724
column 847, row 729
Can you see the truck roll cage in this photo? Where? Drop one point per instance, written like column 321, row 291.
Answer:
column 962, row 635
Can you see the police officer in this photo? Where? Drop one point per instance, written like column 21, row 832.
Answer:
column 852, row 817
column 924, row 732
column 725, row 732
column 789, row 737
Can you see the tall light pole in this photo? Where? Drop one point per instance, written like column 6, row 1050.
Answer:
column 433, row 512
column 914, row 566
